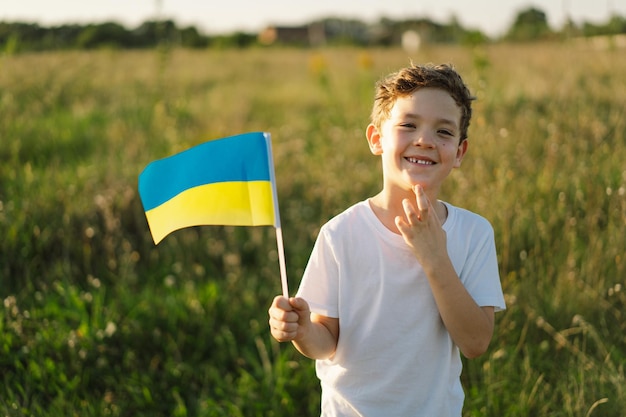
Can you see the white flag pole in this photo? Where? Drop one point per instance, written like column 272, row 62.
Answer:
column 277, row 226
column 281, row 261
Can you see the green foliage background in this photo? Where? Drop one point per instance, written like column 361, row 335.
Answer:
column 97, row 321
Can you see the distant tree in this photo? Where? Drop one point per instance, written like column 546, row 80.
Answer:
column 614, row 26
column 22, row 36
column 617, row 24
column 381, row 33
column 62, row 37
column 530, row 24
column 107, row 34
column 238, row 40
column 474, row 38
column 191, row 38
column 154, row 32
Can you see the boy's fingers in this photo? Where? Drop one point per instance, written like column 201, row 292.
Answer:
column 422, row 202
column 284, row 333
column 409, row 211
column 299, row 304
column 400, row 223
column 282, row 303
column 283, row 324
column 281, row 311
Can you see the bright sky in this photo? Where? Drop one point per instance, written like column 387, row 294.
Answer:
column 491, row 16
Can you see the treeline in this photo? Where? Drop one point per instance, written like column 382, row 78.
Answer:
column 529, row 25
column 16, row 37
column 33, row 37
column 532, row 24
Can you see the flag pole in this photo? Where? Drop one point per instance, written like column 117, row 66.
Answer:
column 281, row 261
column 277, row 226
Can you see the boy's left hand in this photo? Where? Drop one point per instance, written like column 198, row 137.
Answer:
column 422, row 231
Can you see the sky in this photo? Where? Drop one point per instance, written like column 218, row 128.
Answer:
column 493, row 17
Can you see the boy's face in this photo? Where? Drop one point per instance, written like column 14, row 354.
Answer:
column 419, row 142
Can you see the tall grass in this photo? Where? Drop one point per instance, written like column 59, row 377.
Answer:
column 97, row 321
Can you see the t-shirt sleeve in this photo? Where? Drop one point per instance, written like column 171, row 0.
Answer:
column 319, row 285
column 480, row 273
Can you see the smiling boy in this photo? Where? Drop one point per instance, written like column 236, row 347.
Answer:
column 399, row 284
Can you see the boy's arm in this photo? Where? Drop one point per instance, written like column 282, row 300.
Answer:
column 470, row 326
column 320, row 341
column 314, row 335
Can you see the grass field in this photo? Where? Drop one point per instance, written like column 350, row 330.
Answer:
column 97, row 321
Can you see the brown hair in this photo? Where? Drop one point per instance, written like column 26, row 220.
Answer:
column 408, row 80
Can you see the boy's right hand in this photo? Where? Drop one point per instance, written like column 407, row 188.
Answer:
column 288, row 318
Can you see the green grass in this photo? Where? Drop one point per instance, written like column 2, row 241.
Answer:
column 97, row 321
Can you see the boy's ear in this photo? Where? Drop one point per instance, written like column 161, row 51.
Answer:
column 373, row 139
column 460, row 153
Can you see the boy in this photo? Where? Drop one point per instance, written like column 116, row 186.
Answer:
column 398, row 284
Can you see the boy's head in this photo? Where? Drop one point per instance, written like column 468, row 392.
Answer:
column 408, row 80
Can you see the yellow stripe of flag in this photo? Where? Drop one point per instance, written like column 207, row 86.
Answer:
column 223, row 203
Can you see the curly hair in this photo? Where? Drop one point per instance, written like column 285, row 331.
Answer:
column 407, row 80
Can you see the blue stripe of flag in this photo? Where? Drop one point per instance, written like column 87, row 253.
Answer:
column 236, row 158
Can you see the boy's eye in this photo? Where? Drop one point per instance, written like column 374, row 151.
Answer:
column 445, row 132
column 408, row 125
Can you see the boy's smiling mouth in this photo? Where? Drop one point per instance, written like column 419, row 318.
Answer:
column 419, row 161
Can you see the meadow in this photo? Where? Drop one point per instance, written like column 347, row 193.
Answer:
column 98, row 321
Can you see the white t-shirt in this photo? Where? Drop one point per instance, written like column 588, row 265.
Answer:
column 394, row 356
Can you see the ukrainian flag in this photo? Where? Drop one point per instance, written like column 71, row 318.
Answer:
column 227, row 181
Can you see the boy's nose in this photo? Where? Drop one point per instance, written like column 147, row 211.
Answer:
column 424, row 139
